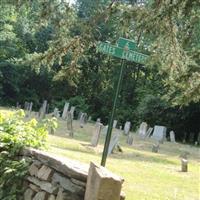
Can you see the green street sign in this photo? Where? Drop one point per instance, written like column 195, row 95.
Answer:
column 118, row 52
column 126, row 43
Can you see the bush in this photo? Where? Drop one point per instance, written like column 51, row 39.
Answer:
column 16, row 134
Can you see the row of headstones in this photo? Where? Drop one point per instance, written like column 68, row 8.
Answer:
column 114, row 142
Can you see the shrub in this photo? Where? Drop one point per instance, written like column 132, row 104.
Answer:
column 16, row 134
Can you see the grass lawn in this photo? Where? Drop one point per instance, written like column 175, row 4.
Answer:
column 148, row 176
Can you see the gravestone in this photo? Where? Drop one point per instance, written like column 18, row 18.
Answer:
column 149, row 131
column 96, row 134
column 129, row 140
column 143, row 129
column 113, row 143
column 172, row 136
column 30, row 109
column 127, row 128
column 70, row 124
column 72, row 111
column 159, row 133
column 98, row 119
column 155, row 148
column 89, row 119
column 65, row 110
column 56, row 113
column 105, row 129
column 43, row 109
column 83, row 119
column 184, row 165
column 114, row 123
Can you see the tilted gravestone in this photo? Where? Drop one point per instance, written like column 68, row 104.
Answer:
column 159, row 133
column 72, row 111
column 96, row 134
column 65, row 110
column 113, row 143
column 89, row 119
column 127, row 128
column 70, row 124
column 142, row 130
column 149, row 131
column 172, row 136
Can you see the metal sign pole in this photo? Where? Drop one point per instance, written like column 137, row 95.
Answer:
column 110, row 127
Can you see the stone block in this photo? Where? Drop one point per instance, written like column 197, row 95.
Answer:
column 33, row 170
column 45, row 173
column 67, row 184
column 44, row 185
column 102, row 184
column 28, row 194
column 40, row 196
column 34, row 187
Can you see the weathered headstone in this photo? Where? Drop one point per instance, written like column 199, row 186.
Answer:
column 159, row 133
column 65, row 110
column 105, row 129
column 56, row 113
column 83, row 119
column 127, row 128
column 149, row 131
column 143, row 129
column 114, row 123
column 72, row 109
column 113, row 143
column 155, row 148
column 96, row 134
column 70, row 124
column 129, row 140
column 43, row 109
column 89, row 119
column 172, row 136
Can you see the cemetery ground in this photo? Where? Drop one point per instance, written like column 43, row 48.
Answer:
column 148, row 175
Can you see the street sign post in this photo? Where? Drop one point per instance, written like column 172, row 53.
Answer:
column 126, row 50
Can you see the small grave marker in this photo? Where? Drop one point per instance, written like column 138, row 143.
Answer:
column 96, row 135
column 65, row 110
column 172, row 136
column 159, row 133
column 127, row 128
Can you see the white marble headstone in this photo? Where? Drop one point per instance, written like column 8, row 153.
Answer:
column 172, row 136
column 143, row 129
column 159, row 133
column 127, row 128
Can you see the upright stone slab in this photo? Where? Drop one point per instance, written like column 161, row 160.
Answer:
column 89, row 119
column 30, row 108
column 102, row 184
column 72, row 111
column 127, row 128
column 104, row 130
column 70, row 124
column 149, row 131
column 56, row 113
column 96, row 135
column 129, row 139
column 172, row 136
column 143, row 129
column 113, row 143
column 159, row 133
column 114, row 123
column 65, row 110
column 43, row 109
column 83, row 119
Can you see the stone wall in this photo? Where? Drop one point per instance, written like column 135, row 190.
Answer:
column 51, row 177
column 54, row 178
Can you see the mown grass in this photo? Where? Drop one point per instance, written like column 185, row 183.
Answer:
column 148, row 176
